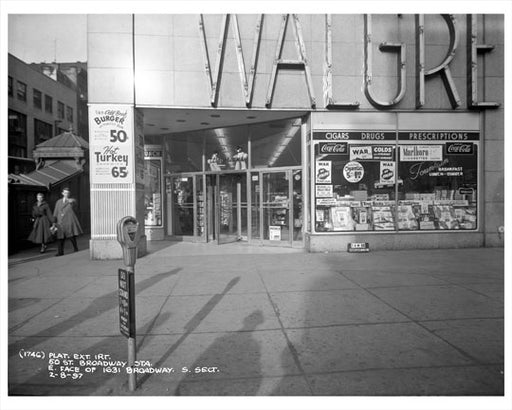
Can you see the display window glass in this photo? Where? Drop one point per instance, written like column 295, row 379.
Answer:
column 438, row 186
column 153, row 193
column 391, row 185
column 354, row 186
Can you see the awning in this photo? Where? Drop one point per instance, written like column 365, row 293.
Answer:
column 52, row 173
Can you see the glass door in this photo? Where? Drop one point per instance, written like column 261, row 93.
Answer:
column 231, row 207
column 276, row 223
column 183, row 205
column 188, row 211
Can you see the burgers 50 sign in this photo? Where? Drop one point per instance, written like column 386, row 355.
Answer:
column 111, row 144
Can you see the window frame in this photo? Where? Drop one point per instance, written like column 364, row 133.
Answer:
column 22, row 97
column 10, row 86
column 61, row 115
column 35, row 92
column 49, row 128
column 69, row 114
column 48, row 108
column 15, row 142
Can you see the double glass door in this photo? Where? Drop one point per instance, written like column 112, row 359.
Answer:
column 261, row 207
column 277, row 207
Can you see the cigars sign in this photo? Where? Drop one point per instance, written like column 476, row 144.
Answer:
column 111, row 144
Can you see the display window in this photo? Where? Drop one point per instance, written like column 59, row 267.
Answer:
column 439, row 186
column 153, row 193
column 375, row 181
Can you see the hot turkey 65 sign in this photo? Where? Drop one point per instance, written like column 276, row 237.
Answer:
column 111, row 144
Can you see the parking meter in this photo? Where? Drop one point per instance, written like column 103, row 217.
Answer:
column 128, row 235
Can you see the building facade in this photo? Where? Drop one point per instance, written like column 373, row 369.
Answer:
column 39, row 109
column 73, row 74
column 311, row 131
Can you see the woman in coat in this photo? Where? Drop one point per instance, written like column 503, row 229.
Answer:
column 66, row 221
column 42, row 221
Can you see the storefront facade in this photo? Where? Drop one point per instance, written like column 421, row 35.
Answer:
column 309, row 131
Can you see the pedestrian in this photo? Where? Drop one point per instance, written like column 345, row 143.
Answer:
column 66, row 221
column 42, row 216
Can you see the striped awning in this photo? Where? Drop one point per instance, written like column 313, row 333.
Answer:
column 52, row 173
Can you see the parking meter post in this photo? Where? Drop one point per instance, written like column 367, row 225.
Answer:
column 128, row 235
column 132, row 340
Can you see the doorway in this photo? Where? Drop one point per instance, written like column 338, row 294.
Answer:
column 262, row 207
column 276, row 207
column 230, row 207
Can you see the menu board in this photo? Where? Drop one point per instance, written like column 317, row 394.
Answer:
column 111, row 144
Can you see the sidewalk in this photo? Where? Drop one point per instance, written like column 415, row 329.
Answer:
column 33, row 254
column 263, row 321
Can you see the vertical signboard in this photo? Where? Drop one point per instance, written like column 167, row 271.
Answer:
column 126, row 303
column 111, row 144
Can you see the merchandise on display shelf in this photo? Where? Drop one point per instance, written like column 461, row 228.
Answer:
column 445, row 216
column 383, row 218
column 406, row 218
column 341, row 218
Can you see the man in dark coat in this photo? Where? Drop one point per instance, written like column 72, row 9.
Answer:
column 66, row 221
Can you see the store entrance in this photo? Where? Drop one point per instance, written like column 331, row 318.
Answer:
column 277, row 207
column 229, row 207
column 261, row 207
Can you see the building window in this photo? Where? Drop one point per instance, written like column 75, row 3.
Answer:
column 439, row 189
column 38, row 99
column 17, row 134
column 69, row 114
column 22, row 91
column 60, row 110
column 42, row 131
column 395, row 185
column 11, row 91
column 48, row 104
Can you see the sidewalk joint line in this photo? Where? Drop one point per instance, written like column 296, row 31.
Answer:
column 291, row 347
column 458, row 349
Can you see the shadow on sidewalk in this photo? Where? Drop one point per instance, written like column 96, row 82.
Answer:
column 97, row 383
column 190, row 326
column 97, row 307
column 239, row 347
column 33, row 254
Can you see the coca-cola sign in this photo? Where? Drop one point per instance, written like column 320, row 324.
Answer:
column 459, row 148
column 339, row 148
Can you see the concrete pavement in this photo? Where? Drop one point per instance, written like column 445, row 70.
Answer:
column 264, row 321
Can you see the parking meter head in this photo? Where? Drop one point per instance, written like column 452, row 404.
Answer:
column 128, row 232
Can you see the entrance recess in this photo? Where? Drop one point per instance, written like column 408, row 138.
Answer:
column 261, row 207
column 231, row 207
